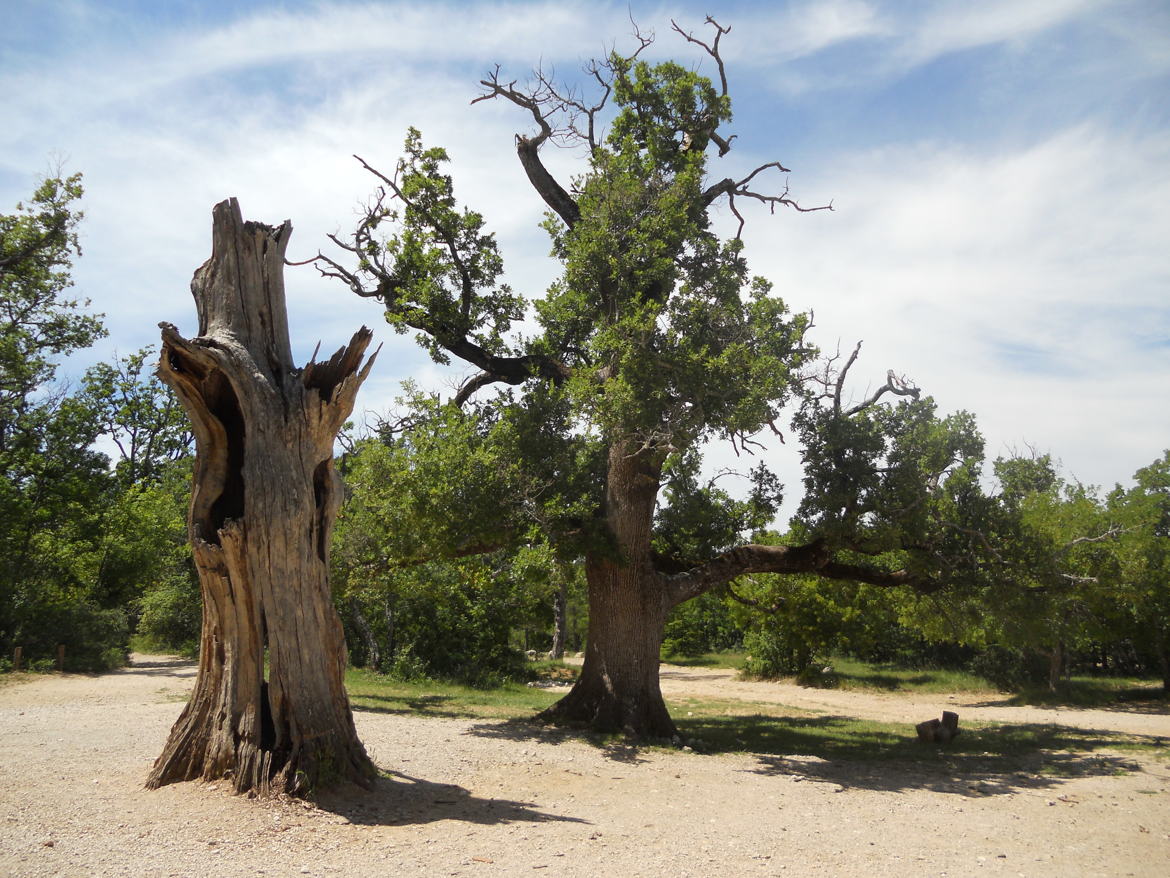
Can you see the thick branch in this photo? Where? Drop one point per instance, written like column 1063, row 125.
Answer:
column 511, row 370
column 815, row 558
column 544, row 183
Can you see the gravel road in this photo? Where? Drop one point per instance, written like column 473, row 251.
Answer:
column 486, row 798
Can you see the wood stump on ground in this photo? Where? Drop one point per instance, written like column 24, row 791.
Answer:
column 939, row 731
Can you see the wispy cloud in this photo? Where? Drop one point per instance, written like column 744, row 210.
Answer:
column 801, row 29
column 957, row 26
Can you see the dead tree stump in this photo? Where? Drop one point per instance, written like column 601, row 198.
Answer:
column 269, row 711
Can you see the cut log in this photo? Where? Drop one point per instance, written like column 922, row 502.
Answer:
column 927, row 730
column 269, row 709
column 939, row 731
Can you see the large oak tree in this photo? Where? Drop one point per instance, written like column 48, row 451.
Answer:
column 654, row 340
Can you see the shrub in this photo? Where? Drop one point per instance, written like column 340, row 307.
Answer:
column 1010, row 668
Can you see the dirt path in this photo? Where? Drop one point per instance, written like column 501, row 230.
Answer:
column 488, row 798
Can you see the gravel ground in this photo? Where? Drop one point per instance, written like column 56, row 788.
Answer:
column 488, row 798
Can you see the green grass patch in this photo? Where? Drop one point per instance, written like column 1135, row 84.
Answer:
column 730, row 660
column 755, row 727
column 150, row 646
column 775, row 730
column 855, row 674
column 1104, row 692
column 374, row 692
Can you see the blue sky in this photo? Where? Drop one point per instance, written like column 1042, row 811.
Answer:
column 1000, row 172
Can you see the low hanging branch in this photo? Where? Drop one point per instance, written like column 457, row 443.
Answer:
column 269, row 711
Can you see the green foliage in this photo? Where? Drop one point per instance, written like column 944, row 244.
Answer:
column 37, row 323
column 448, row 619
column 79, row 544
column 1010, row 669
column 654, row 339
column 655, row 334
column 445, row 268
column 1046, row 585
column 1142, row 615
column 703, row 625
column 52, row 486
column 141, row 415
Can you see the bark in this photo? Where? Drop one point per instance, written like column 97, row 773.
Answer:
column 1055, row 665
column 617, row 690
column 269, row 711
column 560, row 619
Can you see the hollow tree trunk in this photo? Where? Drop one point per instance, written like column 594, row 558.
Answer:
column 269, row 709
column 618, row 689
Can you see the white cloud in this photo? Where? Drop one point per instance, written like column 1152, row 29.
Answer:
column 1027, row 286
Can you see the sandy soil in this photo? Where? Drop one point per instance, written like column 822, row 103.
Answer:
column 487, row 798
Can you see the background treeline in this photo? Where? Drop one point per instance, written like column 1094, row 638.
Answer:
column 94, row 481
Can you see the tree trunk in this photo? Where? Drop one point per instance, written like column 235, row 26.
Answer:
column 373, row 655
column 560, row 615
column 1162, row 647
column 269, row 709
column 618, row 690
column 1055, row 665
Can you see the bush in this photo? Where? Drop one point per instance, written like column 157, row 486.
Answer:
column 94, row 639
column 450, row 621
column 699, row 626
column 818, row 676
column 1010, row 668
column 773, row 653
column 172, row 616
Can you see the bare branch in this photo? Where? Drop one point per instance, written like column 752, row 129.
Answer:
column 840, row 385
column 1112, row 533
column 541, row 103
column 712, row 50
column 742, row 189
column 771, row 609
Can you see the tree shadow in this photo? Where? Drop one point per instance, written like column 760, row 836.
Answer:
column 1085, row 696
column 176, row 668
column 687, row 661
column 972, row 776
column 615, row 747
column 888, row 682
column 398, row 799
column 679, row 674
column 984, row 760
